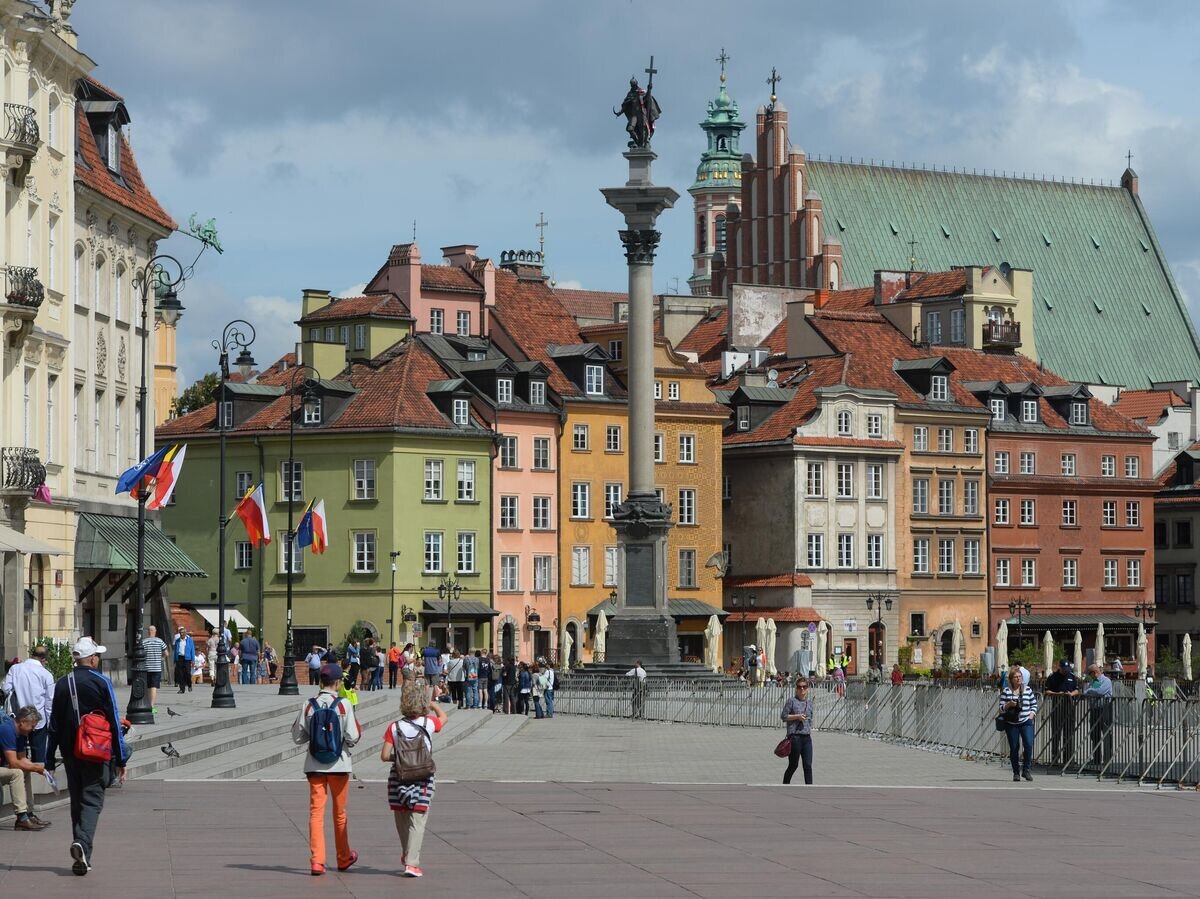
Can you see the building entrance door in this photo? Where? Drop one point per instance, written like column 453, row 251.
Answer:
column 850, row 651
column 508, row 648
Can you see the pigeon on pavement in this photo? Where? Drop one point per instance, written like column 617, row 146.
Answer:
column 170, row 750
column 172, row 713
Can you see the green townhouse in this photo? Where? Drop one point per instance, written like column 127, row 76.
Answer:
column 399, row 452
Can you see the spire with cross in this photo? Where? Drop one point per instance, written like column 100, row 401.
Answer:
column 912, row 254
column 541, row 224
column 1129, row 159
column 774, row 80
column 722, row 59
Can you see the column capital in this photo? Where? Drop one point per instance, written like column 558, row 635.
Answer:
column 640, row 245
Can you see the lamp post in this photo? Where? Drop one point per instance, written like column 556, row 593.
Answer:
column 533, row 621
column 167, row 305
column 307, row 390
column 395, row 554
column 735, row 600
column 447, row 589
column 232, row 338
column 1020, row 607
column 880, row 648
column 1144, row 610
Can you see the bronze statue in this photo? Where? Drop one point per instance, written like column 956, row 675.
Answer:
column 641, row 110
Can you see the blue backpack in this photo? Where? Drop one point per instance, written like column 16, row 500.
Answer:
column 325, row 732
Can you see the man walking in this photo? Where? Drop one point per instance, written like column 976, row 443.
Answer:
column 183, row 650
column 314, row 665
column 1063, row 687
column 15, row 766
column 83, row 691
column 248, row 649
column 30, row 683
column 638, row 673
column 156, row 653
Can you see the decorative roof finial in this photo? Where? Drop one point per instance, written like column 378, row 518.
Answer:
column 774, row 80
column 722, row 59
column 1129, row 159
column 541, row 224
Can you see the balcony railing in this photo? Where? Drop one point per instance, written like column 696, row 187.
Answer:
column 1003, row 334
column 22, row 287
column 20, row 126
column 21, row 468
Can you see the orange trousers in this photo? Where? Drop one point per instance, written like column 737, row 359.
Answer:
column 338, row 788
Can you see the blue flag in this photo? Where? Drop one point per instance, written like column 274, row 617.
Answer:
column 147, row 468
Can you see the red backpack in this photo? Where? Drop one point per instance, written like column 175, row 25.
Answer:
column 93, row 732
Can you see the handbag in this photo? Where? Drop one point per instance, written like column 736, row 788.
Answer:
column 1001, row 724
column 784, row 748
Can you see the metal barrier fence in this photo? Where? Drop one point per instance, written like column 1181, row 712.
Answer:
column 1147, row 740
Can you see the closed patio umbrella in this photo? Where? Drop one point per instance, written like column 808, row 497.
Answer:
column 1100, row 645
column 565, row 643
column 822, row 648
column 760, row 642
column 599, row 638
column 1187, row 657
column 1143, row 664
column 712, row 633
column 1078, row 653
column 1002, row 645
column 956, row 644
column 769, row 645
column 1048, row 653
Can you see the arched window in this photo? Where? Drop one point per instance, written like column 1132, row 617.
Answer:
column 816, row 235
column 845, row 423
column 701, row 236
column 720, row 234
column 833, row 276
column 80, row 274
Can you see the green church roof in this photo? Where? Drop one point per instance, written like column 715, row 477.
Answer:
column 1106, row 308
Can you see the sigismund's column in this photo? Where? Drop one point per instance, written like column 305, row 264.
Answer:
column 642, row 628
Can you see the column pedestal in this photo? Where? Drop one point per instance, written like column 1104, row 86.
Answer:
column 643, row 627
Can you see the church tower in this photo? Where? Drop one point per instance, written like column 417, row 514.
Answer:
column 718, row 183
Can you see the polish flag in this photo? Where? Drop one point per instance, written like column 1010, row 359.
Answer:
column 168, row 477
column 252, row 510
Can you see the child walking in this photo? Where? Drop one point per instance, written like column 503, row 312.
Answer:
column 409, row 798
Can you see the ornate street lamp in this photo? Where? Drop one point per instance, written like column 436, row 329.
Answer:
column 447, row 589
column 1020, row 607
column 880, row 648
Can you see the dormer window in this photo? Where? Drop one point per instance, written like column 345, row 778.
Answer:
column 476, row 355
column 845, row 422
column 593, row 380
column 1029, row 411
column 226, row 415
column 743, row 418
column 1079, row 413
column 999, row 407
column 875, row 426
column 114, row 149
column 312, row 411
column 939, row 388
column 462, row 413
column 615, row 349
column 504, row 390
column 537, row 393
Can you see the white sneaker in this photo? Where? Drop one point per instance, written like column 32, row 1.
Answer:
column 80, row 866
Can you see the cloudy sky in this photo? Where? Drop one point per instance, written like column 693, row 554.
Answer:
column 316, row 132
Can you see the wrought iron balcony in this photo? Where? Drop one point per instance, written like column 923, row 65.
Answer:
column 21, row 468
column 22, row 287
column 21, row 127
column 1002, row 334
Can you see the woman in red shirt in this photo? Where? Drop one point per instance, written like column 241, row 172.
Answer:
column 410, row 802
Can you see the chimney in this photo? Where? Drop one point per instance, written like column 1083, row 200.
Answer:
column 402, row 276
column 311, row 300
column 819, row 298
column 461, row 255
column 887, row 285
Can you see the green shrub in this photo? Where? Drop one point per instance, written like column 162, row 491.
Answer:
column 58, row 656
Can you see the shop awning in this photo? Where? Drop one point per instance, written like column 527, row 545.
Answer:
column 1076, row 622
column 678, row 608
column 790, row 614
column 463, row 608
column 109, row 543
column 16, row 542
column 211, row 616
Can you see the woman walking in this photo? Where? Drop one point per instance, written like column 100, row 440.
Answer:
column 537, row 690
column 797, row 714
column 410, row 801
column 524, row 688
column 1018, row 706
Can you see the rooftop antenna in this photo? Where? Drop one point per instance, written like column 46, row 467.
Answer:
column 541, row 227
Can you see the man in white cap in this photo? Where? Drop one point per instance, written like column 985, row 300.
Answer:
column 81, row 692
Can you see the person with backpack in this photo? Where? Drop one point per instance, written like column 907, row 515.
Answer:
column 85, row 727
column 327, row 724
column 408, row 745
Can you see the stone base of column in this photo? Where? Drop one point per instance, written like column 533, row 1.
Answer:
column 642, row 627
column 649, row 637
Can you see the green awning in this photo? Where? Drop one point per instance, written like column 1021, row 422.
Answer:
column 109, row 543
column 463, row 608
column 678, row 608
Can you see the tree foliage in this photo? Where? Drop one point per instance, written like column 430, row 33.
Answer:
column 199, row 395
column 58, row 656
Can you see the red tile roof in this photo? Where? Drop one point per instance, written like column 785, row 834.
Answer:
column 791, row 614
column 822, row 372
column 533, row 317
column 591, row 304
column 707, row 339
column 375, row 305
column 844, row 300
column 666, row 407
column 91, row 172
column 789, row 579
column 926, row 285
column 449, row 277
column 1147, row 405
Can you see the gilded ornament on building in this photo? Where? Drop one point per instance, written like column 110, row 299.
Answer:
column 101, row 354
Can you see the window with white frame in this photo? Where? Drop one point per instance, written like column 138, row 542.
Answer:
column 956, row 326
column 331, row 334
column 312, row 411
column 1028, row 512
column 816, row 479
column 504, row 390
column 537, row 393
column 874, row 550
column 999, row 462
column 921, row 555
column 581, row 565
column 364, row 479
column 360, row 337
column 364, row 551
column 295, row 477
column 945, row 496
column 845, row 424
column 875, row 426
column 508, row 451
column 581, row 500
column 1133, row 467
column 1070, row 573
column 687, row 505
column 970, row 497
column 593, row 383
column 1070, row 513
column 673, row 391
column 816, row 550
column 433, row 552
column 1068, row 465
column 615, row 349
column 945, row 557
column 945, row 440
column 845, row 551
column 541, row 513
column 466, row 481
column 743, row 418
column 612, row 439
column 939, row 388
column 920, row 439
column 437, row 321
column 345, row 335
column 845, row 480
column 1109, row 514
column 226, row 415
column 658, row 390
column 1001, row 507
column 510, row 574
column 971, row 556
column 543, row 574
column 243, row 482
column 243, row 555
column 462, row 412
column 509, row 513
column 999, row 409
column 920, row 496
column 659, row 453
column 933, row 327
column 433, row 479
column 541, row 454
column 463, row 321
column 687, row 448
column 970, row 440
column 612, row 499
column 290, row 554
column 1029, row 411
column 1079, row 413
column 579, row 438
column 687, row 568
column 1108, row 466
column 1003, row 573
column 466, row 552
column 874, row 480
column 610, row 565
column 1029, row 572
column 1110, row 572
column 1133, row 572
column 1133, row 515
